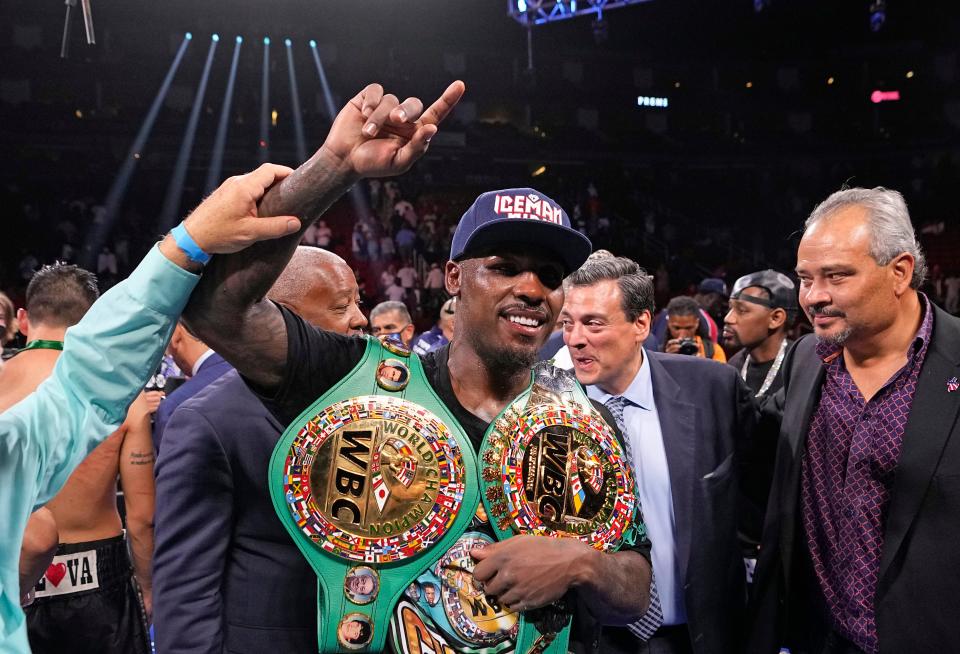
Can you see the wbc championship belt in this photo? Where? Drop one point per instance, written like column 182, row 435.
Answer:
column 374, row 482
column 553, row 467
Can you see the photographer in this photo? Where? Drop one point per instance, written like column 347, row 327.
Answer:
column 683, row 325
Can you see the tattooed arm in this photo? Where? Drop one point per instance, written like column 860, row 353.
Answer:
column 375, row 135
column 136, row 479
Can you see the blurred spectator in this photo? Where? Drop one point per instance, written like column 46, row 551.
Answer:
column 106, row 262
column 434, row 284
column 392, row 318
column 323, row 235
column 406, row 240
column 358, row 243
column 952, row 285
column 388, row 277
column 442, row 332
column 683, row 324
column 8, row 324
column 387, row 247
column 408, row 275
column 394, row 292
column 712, row 298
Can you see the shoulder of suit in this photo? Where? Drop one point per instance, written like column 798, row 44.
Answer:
column 690, row 365
column 220, row 392
column 946, row 329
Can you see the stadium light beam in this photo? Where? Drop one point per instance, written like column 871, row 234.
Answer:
column 264, row 141
column 97, row 236
column 327, row 95
column 359, row 201
column 171, row 203
column 297, row 115
column 219, row 142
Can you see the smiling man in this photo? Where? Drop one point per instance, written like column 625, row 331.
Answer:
column 859, row 547
column 509, row 255
column 682, row 418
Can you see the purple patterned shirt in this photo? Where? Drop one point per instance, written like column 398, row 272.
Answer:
column 847, row 474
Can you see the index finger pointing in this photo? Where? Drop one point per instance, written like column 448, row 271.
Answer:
column 440, row 109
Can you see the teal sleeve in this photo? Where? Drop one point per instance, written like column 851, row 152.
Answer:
column 107, row 359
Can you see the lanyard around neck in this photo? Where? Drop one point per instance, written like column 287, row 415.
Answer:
column 41, row 344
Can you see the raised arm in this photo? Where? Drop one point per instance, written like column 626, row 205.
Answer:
column 374, row 135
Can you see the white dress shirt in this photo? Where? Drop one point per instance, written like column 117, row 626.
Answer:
column 642, row 424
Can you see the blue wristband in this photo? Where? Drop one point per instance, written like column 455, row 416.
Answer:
column 186, row 243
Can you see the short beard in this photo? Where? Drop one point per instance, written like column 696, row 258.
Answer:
column 839, row 339
column 505, row 361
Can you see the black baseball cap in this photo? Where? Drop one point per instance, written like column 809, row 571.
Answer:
column 780, row 288
column 519, row 216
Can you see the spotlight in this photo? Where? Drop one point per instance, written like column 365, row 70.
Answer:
column 522, row 6
column 878, row 15
column 287, row 42
column 188, row 36
column 749, row 85
column 239, row 39
column 910, row 74
column 830, row 81
column 215, row 37
column 266, row 40
column 313, row 43
column 539, row 171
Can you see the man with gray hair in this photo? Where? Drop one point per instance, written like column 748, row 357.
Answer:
column 392, row 318
column 682, row 419
column 859, row 548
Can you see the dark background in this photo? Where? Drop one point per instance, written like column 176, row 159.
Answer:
column 717, row 183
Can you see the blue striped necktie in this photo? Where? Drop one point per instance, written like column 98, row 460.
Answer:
column 648, row 624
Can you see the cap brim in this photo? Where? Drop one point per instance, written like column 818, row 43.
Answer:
column 569, row 245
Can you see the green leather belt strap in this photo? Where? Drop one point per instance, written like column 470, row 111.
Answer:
column 374, row 481
column 552, row 467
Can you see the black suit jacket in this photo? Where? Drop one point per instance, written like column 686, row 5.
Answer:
column 916, row 605
column 227, row 576
column 210, row 370
column 706, row 418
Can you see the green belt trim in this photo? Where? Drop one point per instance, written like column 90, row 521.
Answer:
column 332, row 602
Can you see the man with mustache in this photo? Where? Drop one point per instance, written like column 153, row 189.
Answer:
column 859, row 547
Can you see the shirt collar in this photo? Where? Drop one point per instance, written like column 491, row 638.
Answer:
column 639, row 392
column 199, row 362
column 830, row 351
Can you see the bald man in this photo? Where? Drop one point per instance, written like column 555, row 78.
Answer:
column 227, row 577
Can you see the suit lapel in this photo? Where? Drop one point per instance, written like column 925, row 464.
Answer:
column 806, row 374
column 932, row 418
column 677, row 425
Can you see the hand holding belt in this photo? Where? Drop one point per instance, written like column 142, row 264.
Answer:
column 374, row 482
column 553, row 467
